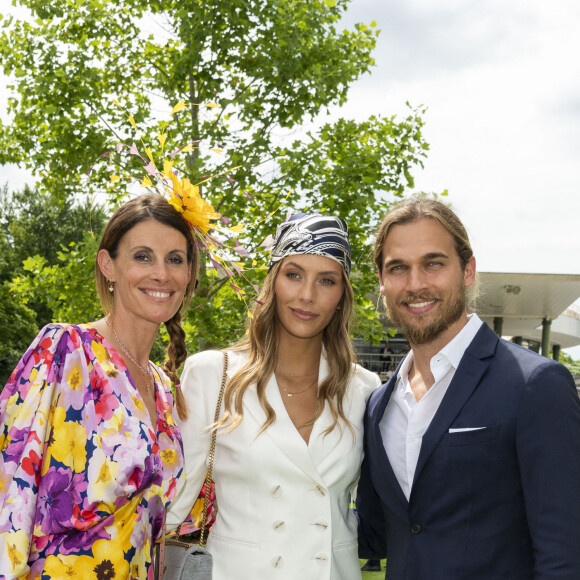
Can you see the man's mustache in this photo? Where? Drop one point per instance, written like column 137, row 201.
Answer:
column 421, row 296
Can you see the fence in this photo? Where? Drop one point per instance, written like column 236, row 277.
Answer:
column 373, row 357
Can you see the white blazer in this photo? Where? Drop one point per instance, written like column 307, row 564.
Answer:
column 283, row 505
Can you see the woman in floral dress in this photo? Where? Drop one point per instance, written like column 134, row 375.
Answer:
column 89, row 454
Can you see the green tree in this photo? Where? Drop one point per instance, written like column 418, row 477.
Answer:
column 573, row 365
column 37, row 234
column 32, row 223
column 270, row 67
column 17, row 329
column 66, row 287
column 268, row 64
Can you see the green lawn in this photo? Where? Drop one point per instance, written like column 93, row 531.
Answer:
column 374, row 575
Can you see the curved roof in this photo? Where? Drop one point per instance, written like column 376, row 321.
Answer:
column 524, row 300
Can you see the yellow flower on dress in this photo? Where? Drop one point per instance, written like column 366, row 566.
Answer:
column 128, row 521
column 67, row 443
column 32, row 409
column 73, row 376
column 138, row 402
column 15, row 546
column 116, row 423
column 15, row 555
column 197, row 512
column 102, row 483
column 101, row 353
column 169, row 456
column 12, row 401
column 69, row 566
column 138, row 570
column 110, row 558
column 33, row 375
column 108, row 563
column 185, row 198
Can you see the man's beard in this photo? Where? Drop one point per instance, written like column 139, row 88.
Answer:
column 449, row 313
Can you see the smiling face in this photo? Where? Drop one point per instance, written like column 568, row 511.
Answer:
column 308, row 290
column 150, row 272
column 422, row 282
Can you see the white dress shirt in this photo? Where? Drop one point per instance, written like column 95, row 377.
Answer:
column 406, row 419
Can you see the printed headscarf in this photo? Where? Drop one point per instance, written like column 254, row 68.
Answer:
column 315, row 234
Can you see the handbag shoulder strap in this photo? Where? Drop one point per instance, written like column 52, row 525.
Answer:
column 160, row 564
column 209, row 474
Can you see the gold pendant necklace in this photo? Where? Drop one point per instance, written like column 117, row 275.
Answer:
column 289, row 394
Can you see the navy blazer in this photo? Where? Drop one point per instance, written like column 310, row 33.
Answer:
column 501, row 502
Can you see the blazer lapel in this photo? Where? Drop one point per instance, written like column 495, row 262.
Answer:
column 319, row 444
column 282, row 431
column 467, row 377
column 388, row 486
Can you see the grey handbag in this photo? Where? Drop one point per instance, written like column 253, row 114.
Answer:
column 186, row 561
column 179, row 560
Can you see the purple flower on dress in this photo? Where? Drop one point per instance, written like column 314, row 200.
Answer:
column 15, row 450
column 83, row 540
column 55, row 501
column 157, row 515
column 103, row 397
column 153, row 472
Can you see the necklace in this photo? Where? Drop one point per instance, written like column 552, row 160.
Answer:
column 132, row 357
column 289, row 394
column 300, row 376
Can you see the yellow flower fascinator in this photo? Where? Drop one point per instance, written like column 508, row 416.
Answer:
column 185, row 198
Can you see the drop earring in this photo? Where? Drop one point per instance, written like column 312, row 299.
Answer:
column 111, row 286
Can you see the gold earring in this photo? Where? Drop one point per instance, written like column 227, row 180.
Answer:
column 111, row 286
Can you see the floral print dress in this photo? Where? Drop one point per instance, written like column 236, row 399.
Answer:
column 84, row 478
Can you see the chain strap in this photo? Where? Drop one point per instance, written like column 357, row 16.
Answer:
column 209, row 475
column 160, row 564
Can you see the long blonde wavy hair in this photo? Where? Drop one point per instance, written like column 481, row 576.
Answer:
column 261, row 343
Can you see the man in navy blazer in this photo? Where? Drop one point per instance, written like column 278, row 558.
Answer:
column 472, row 449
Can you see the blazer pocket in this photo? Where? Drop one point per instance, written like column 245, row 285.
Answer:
column 471, row 437
column 351, row 544
column 233, row 542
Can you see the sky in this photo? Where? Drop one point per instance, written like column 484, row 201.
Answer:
column 501, row 83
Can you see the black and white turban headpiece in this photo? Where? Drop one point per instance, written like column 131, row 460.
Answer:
column 315, row 234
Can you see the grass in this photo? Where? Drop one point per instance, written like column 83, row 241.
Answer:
column 374, row 575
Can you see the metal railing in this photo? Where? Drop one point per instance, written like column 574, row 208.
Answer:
column 374, row 361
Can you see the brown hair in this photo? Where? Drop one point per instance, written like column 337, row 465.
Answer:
column 262, row 345
column 146, row 207
column 417, row 208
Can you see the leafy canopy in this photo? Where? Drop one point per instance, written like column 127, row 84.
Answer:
column 38, row 283
column 253, row 74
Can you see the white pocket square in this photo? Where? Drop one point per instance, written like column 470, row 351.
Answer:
column 463, row 429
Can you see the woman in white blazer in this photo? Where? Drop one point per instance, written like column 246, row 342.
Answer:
column 289, row 448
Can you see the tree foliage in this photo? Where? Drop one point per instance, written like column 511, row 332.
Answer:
column 253, row 74
column 35, row 224
column 38, row 237
column 67, row 286
column 17, row 329
column 571, row 364
column 269, row 64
